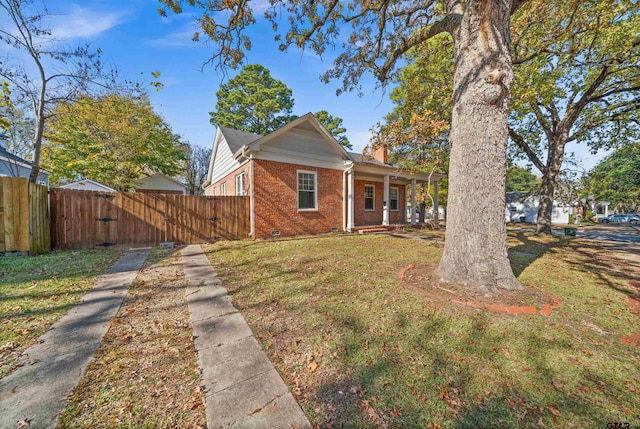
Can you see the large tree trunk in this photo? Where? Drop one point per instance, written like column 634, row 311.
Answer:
column 549, row 178
column 475, row 250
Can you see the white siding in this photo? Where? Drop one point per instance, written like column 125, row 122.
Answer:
column 309, row 144
column 161, row 183
column 224, row 162
column 528, row 208
column 88, row 185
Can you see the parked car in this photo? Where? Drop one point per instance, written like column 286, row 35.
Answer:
column 629, row 217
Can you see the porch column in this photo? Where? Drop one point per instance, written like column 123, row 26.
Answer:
column 385, row 203
column 436, row 215
column 351, row 185
column 606, row 209
column 414, row 212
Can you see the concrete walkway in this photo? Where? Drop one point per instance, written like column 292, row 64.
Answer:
column 51, row 369
column 242, row 388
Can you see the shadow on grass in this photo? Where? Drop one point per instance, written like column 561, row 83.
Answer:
column 393, row 360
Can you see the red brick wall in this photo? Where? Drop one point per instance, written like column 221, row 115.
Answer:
column 367, row 217
column 230, row 180
column 276, row 200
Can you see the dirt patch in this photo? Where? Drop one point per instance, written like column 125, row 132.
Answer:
column 145, row 373
column 421, row 277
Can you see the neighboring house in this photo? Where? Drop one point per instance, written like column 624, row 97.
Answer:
column 13, row 166
column 523, row 207
column 300, row 180
column 160, row 184
column 88, row 185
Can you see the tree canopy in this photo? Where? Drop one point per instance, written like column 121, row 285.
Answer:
column 253, row 101
column 333, row 124
column 617, row 179
column 521, row 179
column 577, row 68
column 114, row 139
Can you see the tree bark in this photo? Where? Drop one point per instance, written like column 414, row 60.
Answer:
column 475, row 251
column 549, row 178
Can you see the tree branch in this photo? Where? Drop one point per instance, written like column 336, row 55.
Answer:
column 522, row 144
column 447, row 24
column 535, row 106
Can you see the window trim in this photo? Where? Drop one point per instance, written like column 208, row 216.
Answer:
column 397, row 209
column 223, row 189
column 373, row 197
column 315, row 190
column 241, row 188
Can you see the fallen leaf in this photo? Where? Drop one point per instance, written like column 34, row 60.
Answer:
column 313, row 366
column 396, row 412
column 24, row 422
column 526, row 368
column 554, row 411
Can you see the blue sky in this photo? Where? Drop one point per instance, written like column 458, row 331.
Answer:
column 137, row 40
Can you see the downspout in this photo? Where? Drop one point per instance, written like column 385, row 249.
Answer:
column 344, row 200
column 242, row 154
column 252, row 221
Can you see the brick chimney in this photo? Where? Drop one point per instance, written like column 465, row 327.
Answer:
column 381, row 153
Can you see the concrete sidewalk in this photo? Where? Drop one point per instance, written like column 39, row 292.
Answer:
column 242, row 388
column 51, row 369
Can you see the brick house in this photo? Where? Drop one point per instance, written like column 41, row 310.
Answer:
column 300, row 180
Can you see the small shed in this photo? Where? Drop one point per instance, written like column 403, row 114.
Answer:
column 88, row 185
column 160, row 184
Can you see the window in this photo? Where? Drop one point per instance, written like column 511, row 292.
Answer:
column 223, row 189
column 240, row 184
column 213, row 191
column 369, row 197
column 307, row 194
column 393, row 199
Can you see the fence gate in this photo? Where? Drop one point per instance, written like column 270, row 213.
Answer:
column 86, row 219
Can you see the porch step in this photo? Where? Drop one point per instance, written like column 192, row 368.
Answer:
column 373, row 230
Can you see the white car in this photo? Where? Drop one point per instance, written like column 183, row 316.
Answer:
column 631, row 218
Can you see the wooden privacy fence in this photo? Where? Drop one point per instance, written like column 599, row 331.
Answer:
column 24, row 216
column 85, row 219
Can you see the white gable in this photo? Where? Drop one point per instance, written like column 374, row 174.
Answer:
column 303, row 141
column 222, row 159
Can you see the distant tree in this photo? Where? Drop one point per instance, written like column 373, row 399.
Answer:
column 5, row 106
column 617, row 179
column 333, row 124
column 253, row 101
column 114, row 139
column 18, row 134
column 41, row 71
column 196, row 166
column 520, row 179
column 577, row 65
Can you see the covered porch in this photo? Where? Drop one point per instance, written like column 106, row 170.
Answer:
column 380, row 195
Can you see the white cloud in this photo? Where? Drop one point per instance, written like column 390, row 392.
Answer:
column 260, row 6
column 180, row 38
column 82, row 23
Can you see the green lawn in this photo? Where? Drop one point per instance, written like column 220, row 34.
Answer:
column 37, row 291
column 359, row 348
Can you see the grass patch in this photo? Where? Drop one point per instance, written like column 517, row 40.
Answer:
column 35, row 292
column 145, row 373
column 359, row 349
